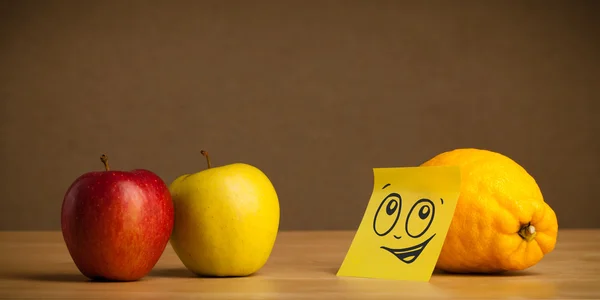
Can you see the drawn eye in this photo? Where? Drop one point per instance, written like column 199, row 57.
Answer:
column 387, row 214
column 420, row 218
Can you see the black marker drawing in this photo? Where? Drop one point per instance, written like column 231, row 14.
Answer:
column 422, row 213
column 409, row 255
column 426, row 212
column 387, row 220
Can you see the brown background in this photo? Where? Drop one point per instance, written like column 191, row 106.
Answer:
column 313, row 93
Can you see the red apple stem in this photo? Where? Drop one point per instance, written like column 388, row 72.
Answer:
column 205, row 154
column 104, row 160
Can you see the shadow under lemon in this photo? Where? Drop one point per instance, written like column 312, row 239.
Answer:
column 497, row 288
column 442, row 273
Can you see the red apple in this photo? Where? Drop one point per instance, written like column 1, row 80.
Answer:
column 116, row 224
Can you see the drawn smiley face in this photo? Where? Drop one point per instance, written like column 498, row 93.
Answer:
column 417, row 223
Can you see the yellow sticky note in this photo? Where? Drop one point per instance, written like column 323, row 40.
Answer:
column 405, row 223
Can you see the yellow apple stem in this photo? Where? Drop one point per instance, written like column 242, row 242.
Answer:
column 528, row 232
column 205, row 154
column 104, row 160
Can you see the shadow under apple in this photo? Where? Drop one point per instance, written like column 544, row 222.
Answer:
column 172, row 272
column 185, row 273
column 59, row 277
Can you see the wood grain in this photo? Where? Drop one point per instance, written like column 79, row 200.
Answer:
column 36, row 265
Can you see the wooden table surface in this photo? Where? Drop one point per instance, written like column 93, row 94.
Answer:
column 36, row 265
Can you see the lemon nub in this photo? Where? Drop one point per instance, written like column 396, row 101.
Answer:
column 528, row 232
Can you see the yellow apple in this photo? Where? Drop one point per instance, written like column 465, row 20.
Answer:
column 226, row 219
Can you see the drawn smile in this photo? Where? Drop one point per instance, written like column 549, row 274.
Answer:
column 410, row 254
